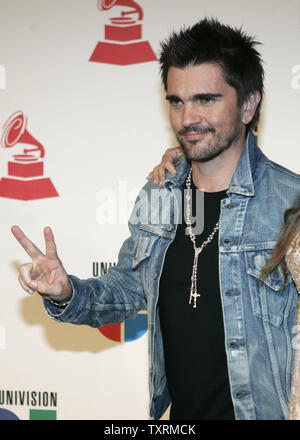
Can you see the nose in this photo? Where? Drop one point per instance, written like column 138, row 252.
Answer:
column 191, row 114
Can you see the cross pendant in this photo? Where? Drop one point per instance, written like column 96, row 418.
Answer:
column 195, row 296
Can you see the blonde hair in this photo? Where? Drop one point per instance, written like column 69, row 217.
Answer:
column 290, row 230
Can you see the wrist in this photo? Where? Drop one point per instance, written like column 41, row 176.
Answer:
column 61, row 303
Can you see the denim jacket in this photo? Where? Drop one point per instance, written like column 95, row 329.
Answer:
column 259, row 315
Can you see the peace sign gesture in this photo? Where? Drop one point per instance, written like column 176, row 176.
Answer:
column 45, row 274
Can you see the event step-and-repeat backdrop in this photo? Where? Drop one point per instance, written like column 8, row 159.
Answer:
column 82, row 121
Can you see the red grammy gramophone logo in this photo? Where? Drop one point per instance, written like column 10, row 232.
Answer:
column 24, row 181
column 124, row 44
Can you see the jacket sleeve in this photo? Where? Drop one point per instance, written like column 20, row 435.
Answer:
column 112, row 297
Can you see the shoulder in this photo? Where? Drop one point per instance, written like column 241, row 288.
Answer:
column 276, row 187
column 280, row 170
column 279, row 175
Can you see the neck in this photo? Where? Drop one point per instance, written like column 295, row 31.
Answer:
column 215, row 175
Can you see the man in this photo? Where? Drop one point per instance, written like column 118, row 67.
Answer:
column 220, row 337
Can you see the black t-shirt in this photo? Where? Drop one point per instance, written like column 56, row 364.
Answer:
column 193, row 338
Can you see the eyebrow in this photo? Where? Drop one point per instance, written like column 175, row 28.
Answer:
column 196, row 97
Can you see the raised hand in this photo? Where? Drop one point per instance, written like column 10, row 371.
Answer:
column 45, row 274
column 169, row 157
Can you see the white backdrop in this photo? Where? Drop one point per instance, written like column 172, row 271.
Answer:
column 102, row 126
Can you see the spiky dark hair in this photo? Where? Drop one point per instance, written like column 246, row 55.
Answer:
column 209, row 41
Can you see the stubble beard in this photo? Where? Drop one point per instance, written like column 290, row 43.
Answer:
column 216, row 146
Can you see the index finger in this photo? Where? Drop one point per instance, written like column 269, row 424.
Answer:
column 27, row 245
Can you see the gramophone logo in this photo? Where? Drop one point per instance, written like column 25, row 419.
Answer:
column 123, row 43
column 25, row 179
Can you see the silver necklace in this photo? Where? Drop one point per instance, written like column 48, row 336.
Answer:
column 194, row 294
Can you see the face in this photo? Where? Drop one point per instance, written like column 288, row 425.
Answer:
column 203, row 111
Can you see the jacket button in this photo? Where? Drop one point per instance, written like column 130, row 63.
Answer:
column 169, row 227
column 154, row 275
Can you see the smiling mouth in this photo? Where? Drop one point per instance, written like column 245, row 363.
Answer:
column 194, row 136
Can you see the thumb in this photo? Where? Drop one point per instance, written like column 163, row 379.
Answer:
column 44, row 288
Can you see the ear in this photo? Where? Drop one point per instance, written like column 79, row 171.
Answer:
column 249, row 106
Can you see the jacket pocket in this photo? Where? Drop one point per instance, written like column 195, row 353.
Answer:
column 269, row 296
column 142, row 250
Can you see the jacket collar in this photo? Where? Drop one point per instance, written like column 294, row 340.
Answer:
column 242, row 181
column 243, row 178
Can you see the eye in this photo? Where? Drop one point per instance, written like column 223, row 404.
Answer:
column 206, row 99
column 175, row 102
